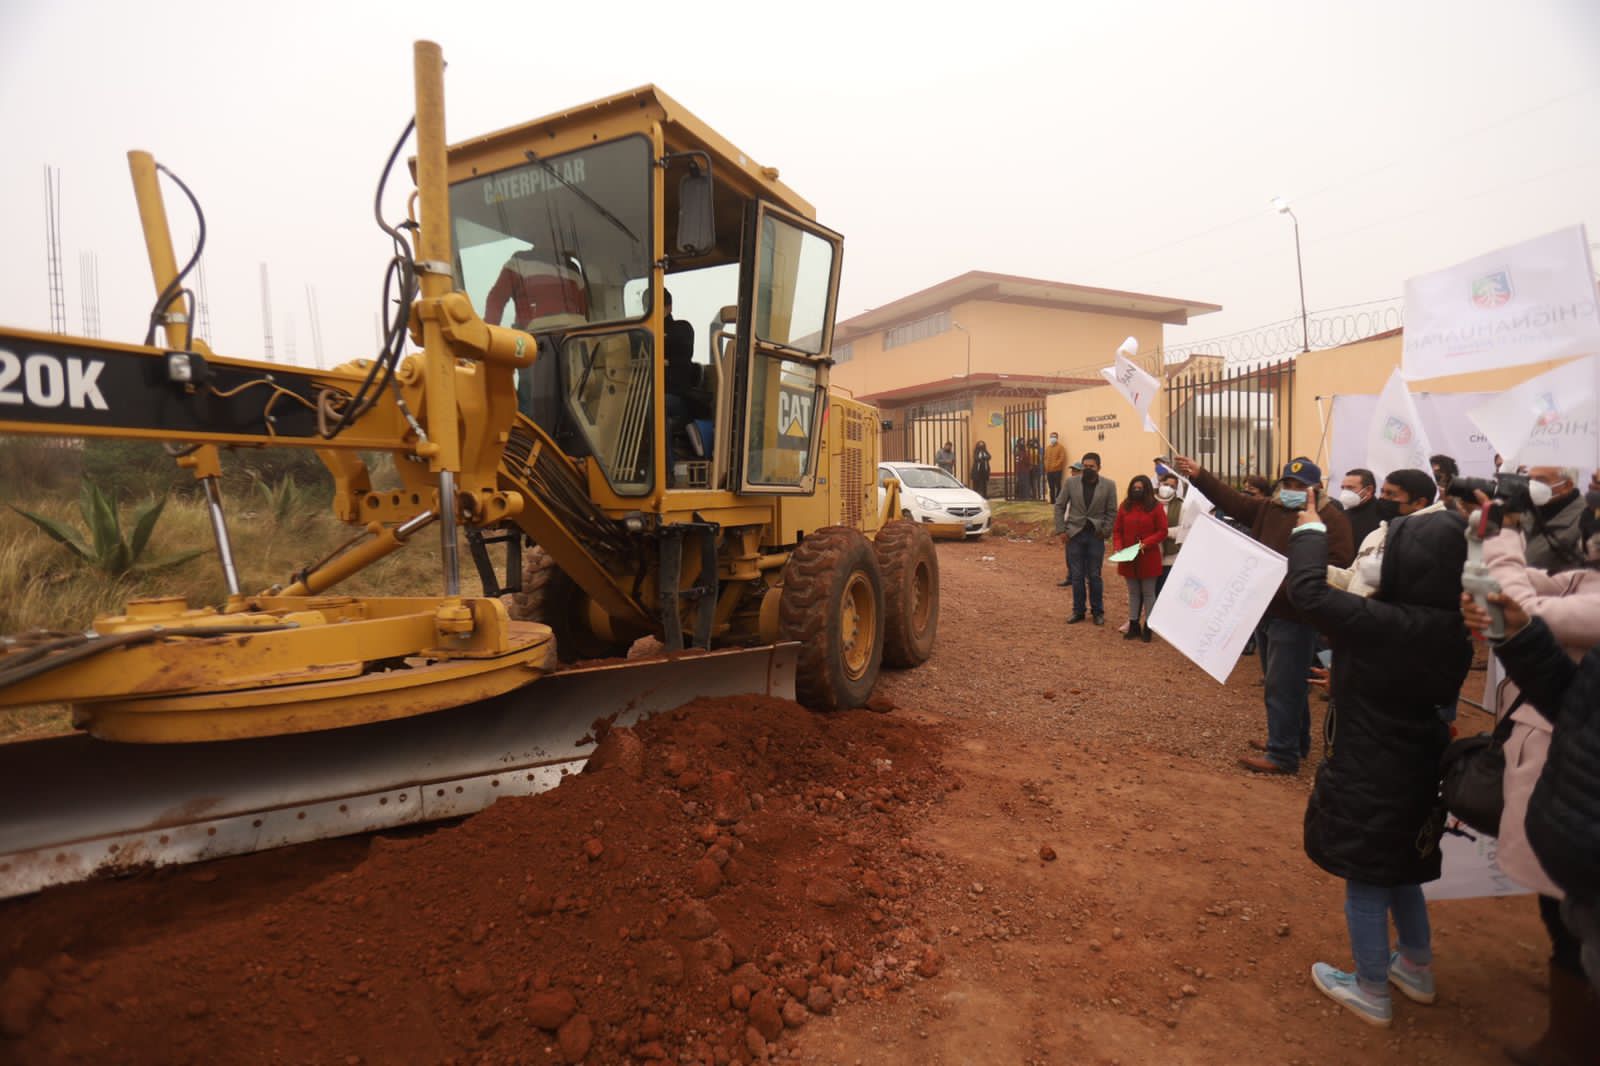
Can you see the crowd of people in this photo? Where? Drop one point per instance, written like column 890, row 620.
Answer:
column 1374, row 585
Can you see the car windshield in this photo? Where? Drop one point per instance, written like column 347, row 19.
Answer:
column 556, row 242
column 925, row 477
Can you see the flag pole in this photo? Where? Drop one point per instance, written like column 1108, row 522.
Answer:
column 1323, row 443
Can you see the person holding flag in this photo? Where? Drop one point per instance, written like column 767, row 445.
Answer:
column 1287, row 644
column 1374, row 819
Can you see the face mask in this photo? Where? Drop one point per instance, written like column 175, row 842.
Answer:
column 1388, row 510
column 1368, row 568
column 1136, row 493
column 1540, row 493
column 1293, row 499
column 1166, row 492
column 1350, row 499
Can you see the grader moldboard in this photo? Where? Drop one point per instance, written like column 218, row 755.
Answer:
column 712, row 495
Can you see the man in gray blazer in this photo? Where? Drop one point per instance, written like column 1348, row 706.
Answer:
column 1085, row 512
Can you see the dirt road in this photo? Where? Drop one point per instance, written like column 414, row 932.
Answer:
column 750, row 881
column 1181, row 917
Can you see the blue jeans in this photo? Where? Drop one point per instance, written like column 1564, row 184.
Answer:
column 1288, row 649
column 1366, row 913
column 1085, row 554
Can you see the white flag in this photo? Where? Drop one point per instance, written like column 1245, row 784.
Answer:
column 1136, row 384
column 1471, row 865
column 1550, row 420
column 1523, row 304
column 1396, row 439
column 1218, row 590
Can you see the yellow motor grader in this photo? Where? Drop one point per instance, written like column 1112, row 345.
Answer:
column 643, row 478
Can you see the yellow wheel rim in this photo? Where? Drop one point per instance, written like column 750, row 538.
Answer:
column 858, row 625
column 921, row 597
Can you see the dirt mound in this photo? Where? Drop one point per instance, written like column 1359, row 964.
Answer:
column 725, row 872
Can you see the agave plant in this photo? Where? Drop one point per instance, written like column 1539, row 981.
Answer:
column 286, row 499
column 105, row 548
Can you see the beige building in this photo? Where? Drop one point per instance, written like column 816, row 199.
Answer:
column 1237, row 422
column 974, row 358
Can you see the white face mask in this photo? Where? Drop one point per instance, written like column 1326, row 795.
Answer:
column 1166, row 492
column 1370, row 568
column 1349, row 499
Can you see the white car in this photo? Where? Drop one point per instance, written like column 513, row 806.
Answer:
column 929, row 494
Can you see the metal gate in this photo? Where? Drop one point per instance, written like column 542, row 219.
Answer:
column 1234, row 422
column 1022, row 451
column 920, row 432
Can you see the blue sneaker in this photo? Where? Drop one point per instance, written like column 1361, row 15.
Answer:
column 1345, row 990
column 1414, row 982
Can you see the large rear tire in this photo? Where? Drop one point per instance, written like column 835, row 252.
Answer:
column 832, row 603
column 548, row 595
column 910, row 568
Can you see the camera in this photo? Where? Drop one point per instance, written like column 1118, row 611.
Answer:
column 1513, row 492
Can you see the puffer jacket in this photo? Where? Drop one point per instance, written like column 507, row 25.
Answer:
column 1569, row 603
column 1398, row 656
column 1563, row 821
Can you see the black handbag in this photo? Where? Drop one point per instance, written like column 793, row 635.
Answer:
column 1471, row 773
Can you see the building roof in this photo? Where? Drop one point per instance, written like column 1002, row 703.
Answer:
column 1035, row 292
column 981, row 384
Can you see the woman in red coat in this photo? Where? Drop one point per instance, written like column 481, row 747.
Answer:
column 1142, row 521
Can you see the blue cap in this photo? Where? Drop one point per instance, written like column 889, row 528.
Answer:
column 1302, row 470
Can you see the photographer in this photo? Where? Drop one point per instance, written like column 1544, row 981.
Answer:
column 1569, row 605
column 1398, row 656
column 1553, row 536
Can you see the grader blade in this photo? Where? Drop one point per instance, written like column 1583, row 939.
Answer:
column 75, row 808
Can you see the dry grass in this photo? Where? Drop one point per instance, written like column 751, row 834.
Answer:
column 42, row 586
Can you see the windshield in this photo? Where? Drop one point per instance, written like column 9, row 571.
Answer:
column 555, row 242
column 924, row 477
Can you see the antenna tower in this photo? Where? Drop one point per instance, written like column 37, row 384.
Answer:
column 52, row 232
column 266, row 312
column 316, row 324
column 202, row 299
column 89, row 292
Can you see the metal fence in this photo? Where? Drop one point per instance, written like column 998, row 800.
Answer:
column 1234, row 422
column 917, row 434
column 1022, row 452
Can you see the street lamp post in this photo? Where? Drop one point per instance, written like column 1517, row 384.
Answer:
column 1283, row 209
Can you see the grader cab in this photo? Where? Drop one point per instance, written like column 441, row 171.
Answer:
column 620, row 376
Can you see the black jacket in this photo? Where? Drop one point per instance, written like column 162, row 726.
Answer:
column 1397, row 658
column 1363, row 519
column 1564, row 814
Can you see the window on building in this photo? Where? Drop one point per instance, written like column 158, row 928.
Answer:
column 843, row 353
column 916, row 330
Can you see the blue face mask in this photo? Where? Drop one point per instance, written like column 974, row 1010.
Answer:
column 1294, row 499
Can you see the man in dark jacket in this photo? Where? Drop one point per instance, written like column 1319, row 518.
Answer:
column 1288, row 644
column 1399, row 657
column 1085, row 511
column 1358, row 494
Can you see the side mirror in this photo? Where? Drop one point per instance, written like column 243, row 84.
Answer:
column 697, row 223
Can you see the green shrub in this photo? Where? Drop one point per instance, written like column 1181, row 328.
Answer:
column 104, row 547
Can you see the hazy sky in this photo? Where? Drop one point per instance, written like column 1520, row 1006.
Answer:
column 1123, row 145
